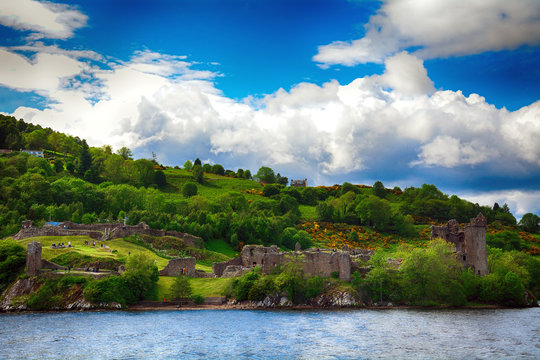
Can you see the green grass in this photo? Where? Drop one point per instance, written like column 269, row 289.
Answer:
column 123, row 248
column 221, row 246
column 207, row 287
column 214, row 185
column 308, row 213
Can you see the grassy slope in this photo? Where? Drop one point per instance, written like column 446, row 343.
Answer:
column 207, row 287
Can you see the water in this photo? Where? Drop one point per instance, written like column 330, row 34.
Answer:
column 235, row 334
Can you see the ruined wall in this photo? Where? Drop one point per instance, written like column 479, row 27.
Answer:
column 102, row 231
column 219, row 267
column 33, row 258
column 470, row 242
column 175, row 267
column 475, row 245
column 314, row 262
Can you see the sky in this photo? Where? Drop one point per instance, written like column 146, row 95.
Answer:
column 406, row 92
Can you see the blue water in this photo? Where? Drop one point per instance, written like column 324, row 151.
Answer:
column 234, row 334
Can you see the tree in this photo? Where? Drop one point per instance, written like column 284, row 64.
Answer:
column 126, row 153
column 188, row 165
column 85, row 159
column 198, row 174
column 379, row 190
column 189, row 189
column 375, row 212
column 218, row 169
column 197, row 162
column 160, row 179
column 265, row 174
column 282, row 180
column 207, row 168
column 58, row 165
column 247, row 174
column 141, row 275
column 530, row 223
column 240, row 173
column 12, row 261
column 181, row 288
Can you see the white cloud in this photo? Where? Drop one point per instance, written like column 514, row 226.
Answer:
column 396, row 118
column 439, row 29
column 519, row 202
column 44, row 19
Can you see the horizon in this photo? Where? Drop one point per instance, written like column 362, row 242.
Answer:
column 402, row 92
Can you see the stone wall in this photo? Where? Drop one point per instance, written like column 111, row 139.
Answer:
column 102, row 231
column 175, row 267
column 219, row 267
column 469, row 242
column 314, row 262
column 33, row 258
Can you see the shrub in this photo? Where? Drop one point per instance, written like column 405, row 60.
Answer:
column 197, row 299
column 12, row 262
column 181, row 288
column 108, row 290
column 242, row 286
column 189, row 189
column 141, row 276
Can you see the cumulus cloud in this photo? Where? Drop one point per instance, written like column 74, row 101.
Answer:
column 394, row 122
column 519, row 202
column 439, row 28
column 43, row 19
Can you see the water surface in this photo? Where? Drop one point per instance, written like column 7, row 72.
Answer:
column 235, row 334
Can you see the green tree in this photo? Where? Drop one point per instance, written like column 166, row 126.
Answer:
column 198, row 174
column 58, row 165
column 375, row 212
column 530, row 223
column 197, row 162
column 12, row 261
column 282, row 180
column 141, row 276
column 265, row 174
column 188, row 165
column 160, row 179
column 180, row 288
column 247, row 174
column 218, row 169
column 85, row 159
column 240, row 173
column 379, row 190
column 189, row 189
column 126, row 153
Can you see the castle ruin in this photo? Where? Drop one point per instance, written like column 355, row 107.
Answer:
column 469, row 242
column 315, row 262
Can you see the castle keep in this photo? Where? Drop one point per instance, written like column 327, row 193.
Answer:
column 469, row 242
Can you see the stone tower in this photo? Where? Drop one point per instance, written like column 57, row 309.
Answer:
column 33, row 258
column 470, row 243
column 475, row 245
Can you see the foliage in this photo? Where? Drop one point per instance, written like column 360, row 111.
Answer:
column 141, row 276
column 52, row 292
column 181, row 288
column 12, row 262
column 188, row 165
column 530, row 223
column 379, row 190
column 110, row 289
column 198, row 174
column 266, row 175
column 189, row 189
column 506, row 240
column 197, row 299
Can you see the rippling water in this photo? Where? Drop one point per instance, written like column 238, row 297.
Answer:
column 234, row 334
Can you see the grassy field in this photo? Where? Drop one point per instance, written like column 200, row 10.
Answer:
column 123, row 248
column 221, row 246
column 207, row 287
column 214, row 185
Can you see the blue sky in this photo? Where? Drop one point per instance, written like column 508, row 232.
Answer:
column 407, row 92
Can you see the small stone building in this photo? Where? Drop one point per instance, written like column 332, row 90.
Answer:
column 469, row 242
column 175, row 267
column 299, row 183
